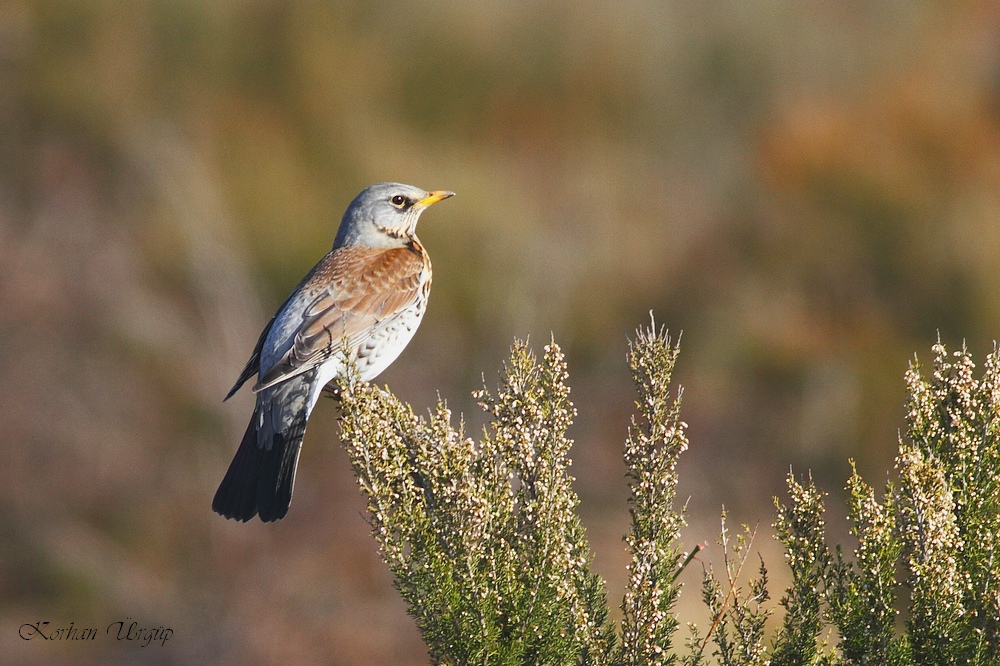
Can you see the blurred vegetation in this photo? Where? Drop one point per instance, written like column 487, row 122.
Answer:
column 810, row 191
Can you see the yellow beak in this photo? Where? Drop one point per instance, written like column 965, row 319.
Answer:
column 434, row 197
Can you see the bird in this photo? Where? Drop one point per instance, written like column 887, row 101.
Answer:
column 365, row 299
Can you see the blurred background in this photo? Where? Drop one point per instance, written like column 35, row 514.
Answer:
column 810, row 191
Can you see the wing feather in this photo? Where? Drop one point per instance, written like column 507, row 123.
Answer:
column 364, row 286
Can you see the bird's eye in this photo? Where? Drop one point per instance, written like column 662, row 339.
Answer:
column 398, row 200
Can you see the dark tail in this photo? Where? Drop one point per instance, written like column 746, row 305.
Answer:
column 260, row 478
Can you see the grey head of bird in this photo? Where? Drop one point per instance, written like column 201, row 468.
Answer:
column 385, row 215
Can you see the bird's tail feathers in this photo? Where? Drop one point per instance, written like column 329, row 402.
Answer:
column 260, row 478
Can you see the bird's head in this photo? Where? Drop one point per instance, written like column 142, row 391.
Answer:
column 385, row 215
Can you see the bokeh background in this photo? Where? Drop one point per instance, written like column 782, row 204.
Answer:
column 809, row 190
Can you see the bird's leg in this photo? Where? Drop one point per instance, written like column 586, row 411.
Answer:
column 331, row 390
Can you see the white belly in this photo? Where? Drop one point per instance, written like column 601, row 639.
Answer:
column 375, row 354
column 385, row 346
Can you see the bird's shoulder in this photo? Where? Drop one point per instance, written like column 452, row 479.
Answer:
column 356, row 279
column 352, row 265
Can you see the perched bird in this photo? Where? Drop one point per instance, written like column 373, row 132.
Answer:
column 371, row 289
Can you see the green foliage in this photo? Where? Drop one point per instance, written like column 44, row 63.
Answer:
column 799, row 527
column 738, row 619
column 482, row 538
column 938, row 526
column 862, row 598
column 486, row 547
column 655, row 443
column 949, row 510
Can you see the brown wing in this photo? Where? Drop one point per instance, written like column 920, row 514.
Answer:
column 363, row 286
